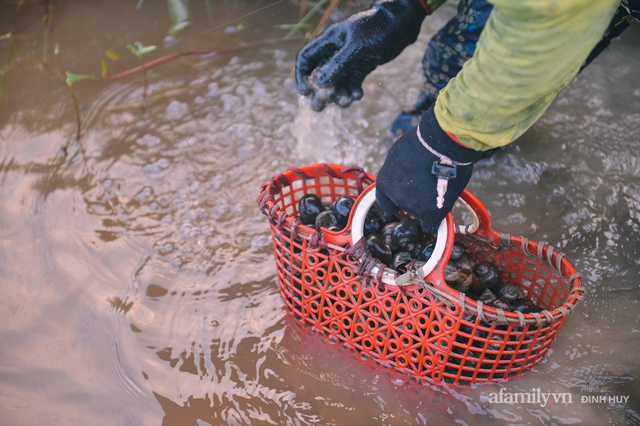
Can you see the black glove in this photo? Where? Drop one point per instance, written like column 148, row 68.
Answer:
column 409, row 176
column 349, row 50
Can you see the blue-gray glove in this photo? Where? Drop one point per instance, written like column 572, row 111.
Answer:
column 348, row 51
column 411, row 173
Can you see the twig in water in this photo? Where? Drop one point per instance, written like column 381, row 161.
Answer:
column 162, row 60
column 156, row 97
column 303, row 8
column 325, row 18
column 177, row 55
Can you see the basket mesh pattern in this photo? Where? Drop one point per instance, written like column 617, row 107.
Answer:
column 410, row 329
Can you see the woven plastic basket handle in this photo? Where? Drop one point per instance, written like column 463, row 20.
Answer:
column 481, row 226
column 441, row 252
column 538, row 253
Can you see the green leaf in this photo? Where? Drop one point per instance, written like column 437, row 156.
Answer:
column 209, row 9
column 105, row 70
column 176, row 28
column 179, row 14
column 290, row 26
column 72, row 78
column 140, row 49
column 112, row 54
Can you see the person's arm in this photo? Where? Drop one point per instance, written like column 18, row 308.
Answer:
column 528, row 52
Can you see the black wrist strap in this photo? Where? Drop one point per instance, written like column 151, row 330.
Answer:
column 435, row 139
column 443, row 148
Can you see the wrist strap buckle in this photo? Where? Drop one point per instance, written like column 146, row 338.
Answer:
column 444, row 172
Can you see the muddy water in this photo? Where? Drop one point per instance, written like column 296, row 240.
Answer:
column 137, row 283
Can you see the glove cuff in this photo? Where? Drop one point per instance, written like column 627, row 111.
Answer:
column 440, row 144
column 411, row 12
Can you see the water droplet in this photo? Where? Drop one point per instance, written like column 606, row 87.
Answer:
column 213, row 89
column 169, row 40
column 150, row 140
column 197, row 214
column 216, row 182
column 189, row 142
column 238, row 210
column 145, row 195
column 150, row 169
column 163, row 163
column 177, row 109
column 194, row 187
column 166, row 248
column 261, row 242
column 195, row 231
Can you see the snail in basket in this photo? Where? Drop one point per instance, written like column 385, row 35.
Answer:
column 334, row 217
column 309, row 207
column 399, row 242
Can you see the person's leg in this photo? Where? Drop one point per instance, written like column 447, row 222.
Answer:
column 446, row 52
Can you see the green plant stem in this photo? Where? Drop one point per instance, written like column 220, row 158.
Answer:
column 7, row 62
column 56, row 53
column 209, row 10
column 144, row 79
column 304, row 20
column 5, row 71
column 22, row 56
column 46, row 32
column 75, row 104
column 289, row 26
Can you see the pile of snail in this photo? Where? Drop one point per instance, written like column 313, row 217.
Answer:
column 399, row 243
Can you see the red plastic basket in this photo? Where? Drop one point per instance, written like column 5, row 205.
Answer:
column 415, row 323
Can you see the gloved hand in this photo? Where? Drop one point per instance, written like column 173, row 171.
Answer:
column 349, row 50
column 407, row 179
